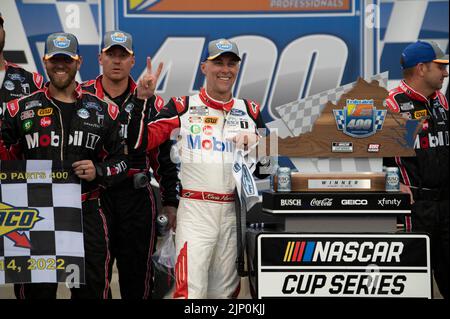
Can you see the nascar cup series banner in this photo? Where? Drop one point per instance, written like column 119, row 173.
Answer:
column 41, row 235
column 344, row 265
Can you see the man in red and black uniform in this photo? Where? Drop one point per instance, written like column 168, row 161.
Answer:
column 131, row 203
column 15, row 82
column 425, row 176
column 63, row 122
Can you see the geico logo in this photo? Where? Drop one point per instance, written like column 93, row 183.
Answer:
column 45, row 112
column 14, row 219
column 431, row 140
column 211, row 120
column 349, row 202
column 196, row 143
column 291, row 202
column 354, row 251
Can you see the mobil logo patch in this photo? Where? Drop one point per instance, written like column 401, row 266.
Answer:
column 214, row 144
column 42, row 140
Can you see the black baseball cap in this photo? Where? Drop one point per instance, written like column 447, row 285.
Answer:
column 1, row 19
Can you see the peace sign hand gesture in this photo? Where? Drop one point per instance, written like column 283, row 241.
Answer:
column 147, row 83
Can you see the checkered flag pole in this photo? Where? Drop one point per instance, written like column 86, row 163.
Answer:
column 41, row 234
column 299, row 116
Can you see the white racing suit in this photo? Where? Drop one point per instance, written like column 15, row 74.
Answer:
column 206, row 219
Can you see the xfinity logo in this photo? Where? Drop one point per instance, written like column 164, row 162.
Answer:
column 385, row 201
column 290, row 202
column 321, row 202
column 354, row 202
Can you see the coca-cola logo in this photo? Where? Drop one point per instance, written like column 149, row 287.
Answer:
column 321, row 202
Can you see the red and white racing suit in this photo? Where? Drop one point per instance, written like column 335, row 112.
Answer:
column 206, row 241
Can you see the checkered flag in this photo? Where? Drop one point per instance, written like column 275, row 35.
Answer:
column 41, row 230
column 379, row 119
column 340, row 120
column 299, row 116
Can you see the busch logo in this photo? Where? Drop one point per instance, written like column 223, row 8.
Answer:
column 290, row 202
column 321, row 202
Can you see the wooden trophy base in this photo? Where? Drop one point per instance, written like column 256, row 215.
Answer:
column 335, row 182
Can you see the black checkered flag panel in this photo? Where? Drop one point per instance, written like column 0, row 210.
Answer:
column 41, row 230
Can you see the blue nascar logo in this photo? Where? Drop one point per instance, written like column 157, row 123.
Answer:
column 359, row 118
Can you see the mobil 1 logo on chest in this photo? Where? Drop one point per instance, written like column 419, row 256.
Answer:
column 344, row 265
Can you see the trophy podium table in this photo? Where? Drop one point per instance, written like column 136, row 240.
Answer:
column 337, row 211
column 337, row 244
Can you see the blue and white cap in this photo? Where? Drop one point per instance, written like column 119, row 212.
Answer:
column 422, row 52
column 61, row 43
column 221, row 46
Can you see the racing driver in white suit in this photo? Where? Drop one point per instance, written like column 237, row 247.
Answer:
column 209, row 126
